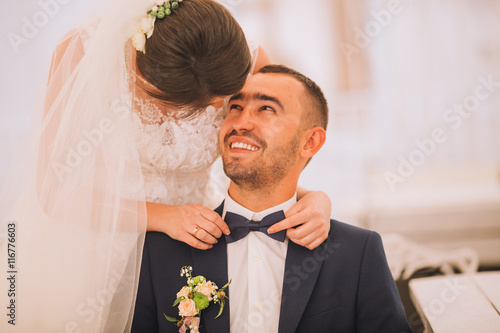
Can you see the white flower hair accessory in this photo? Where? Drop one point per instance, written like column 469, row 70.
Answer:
column 160, row 10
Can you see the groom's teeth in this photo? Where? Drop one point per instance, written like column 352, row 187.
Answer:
column 243, row 146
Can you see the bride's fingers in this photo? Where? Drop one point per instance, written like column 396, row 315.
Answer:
column 195, row 242
column 289, row 222
column 205, row 237
column 306, row 237
column 210, row 227
column 216, row 220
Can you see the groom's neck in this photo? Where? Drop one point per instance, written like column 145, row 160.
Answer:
column 262, row 198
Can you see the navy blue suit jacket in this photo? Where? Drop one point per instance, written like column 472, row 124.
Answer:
column 342, row 286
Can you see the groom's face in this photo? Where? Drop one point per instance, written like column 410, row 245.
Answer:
column 260, row 138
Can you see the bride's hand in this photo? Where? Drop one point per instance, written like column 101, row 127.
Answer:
column 308, row 221
column 195, row 225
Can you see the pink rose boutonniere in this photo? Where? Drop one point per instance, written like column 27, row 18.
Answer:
column 195, row 297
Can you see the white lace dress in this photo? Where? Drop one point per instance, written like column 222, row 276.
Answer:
column 177, row 154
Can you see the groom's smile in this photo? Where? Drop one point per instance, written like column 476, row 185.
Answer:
column 244, row 146
column 243, row 143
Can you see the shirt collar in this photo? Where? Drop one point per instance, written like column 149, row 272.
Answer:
column 232, row 206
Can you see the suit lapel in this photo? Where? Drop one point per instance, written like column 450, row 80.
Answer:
column 302, row 267
column 212, row 264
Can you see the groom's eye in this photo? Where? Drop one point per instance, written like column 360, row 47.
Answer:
column 267, row 108
column 234, row 106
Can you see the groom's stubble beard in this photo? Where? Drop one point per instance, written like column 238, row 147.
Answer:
column 264, row 171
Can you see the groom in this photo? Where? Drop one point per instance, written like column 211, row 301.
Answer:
column 274, row 126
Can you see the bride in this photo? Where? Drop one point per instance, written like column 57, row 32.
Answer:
column 126, row 142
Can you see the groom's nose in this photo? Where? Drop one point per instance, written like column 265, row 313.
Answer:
column 244, row 121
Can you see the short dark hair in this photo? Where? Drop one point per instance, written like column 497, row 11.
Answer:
column 197, row 53
column 318, row 115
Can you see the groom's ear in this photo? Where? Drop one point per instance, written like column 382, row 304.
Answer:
column 314, row 139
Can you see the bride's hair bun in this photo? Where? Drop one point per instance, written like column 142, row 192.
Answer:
column 199, row 52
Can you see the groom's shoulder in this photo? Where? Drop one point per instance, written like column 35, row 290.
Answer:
column 349, row 244
column 350, row 234
column 347, row 228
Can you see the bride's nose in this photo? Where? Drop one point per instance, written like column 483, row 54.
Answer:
column 218, row 102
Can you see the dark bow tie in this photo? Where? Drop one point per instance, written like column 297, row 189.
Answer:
column 240, row 226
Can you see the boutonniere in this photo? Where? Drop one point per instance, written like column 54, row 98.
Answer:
column 193, row 298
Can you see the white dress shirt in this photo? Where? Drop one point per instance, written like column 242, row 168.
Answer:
column 256, row 266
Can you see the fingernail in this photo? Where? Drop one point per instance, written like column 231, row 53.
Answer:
column 216, row 241
column 270, row 231
column 227, row 232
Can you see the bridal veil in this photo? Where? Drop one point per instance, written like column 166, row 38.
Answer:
column 72, row 213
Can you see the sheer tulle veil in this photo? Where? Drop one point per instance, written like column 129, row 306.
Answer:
column 72, row 214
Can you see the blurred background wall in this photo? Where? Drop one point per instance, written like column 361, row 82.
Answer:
column 414, row 92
